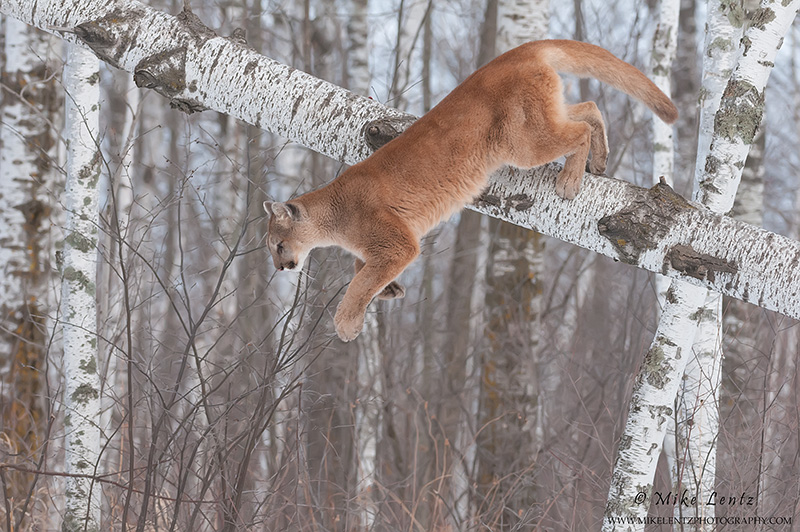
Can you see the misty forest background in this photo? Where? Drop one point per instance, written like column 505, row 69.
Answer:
column 492, row 397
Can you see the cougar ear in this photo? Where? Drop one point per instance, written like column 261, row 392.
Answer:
column 282, row 210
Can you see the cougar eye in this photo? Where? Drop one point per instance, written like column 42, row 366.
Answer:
column 279, row 247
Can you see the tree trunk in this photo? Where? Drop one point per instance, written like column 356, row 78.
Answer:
column 651, row 407
column 697, row 413
column 368, row 406
column 78, row 306
column 30, row 101
column 511, row 412
column 331, row 121
column 464, row 322
column 733, row 133
column 665, row 43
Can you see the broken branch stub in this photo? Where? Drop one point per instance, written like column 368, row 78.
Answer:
column 379, row 132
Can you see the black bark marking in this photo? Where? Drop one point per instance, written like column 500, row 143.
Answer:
column 379, row 132
column 296, row 106
column 112, row 35
column 250, row 67
column 187, row 105
column 701, row 266
column 640, row 225
column 164, row 72
column 520, row 202
column 488, row 199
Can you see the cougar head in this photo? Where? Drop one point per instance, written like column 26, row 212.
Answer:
column 290, row 235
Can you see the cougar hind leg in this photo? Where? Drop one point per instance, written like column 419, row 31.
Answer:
column 589, row 113
column 575, row 139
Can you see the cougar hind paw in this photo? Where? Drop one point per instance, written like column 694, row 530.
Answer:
column 393, row 290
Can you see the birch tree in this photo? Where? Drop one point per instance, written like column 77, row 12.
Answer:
column 368, row 406
column 78, row 307
column 657, row 383
column 697, row 412
column 511, row 402
column 665, row 44
column 210, row 71
column 676, row 442
column 30, row 104
column 532, row 203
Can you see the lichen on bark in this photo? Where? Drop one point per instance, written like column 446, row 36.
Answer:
column 84, row 393
column 740, row 115
column 734, row 11
column 762, row 16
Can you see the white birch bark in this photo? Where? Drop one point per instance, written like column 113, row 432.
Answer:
column 520, row 21
column 665, row 47
column 734, row 129
column 78, row 308
column 697, row 415
column 697, row 430
column 217, row 73
column 739, row 115
column 651, row 408
column 25, row 136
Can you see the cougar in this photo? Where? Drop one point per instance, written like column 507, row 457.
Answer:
column 509, row 112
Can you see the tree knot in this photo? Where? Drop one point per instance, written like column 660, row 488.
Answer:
column 639, row 225
column 379, row 132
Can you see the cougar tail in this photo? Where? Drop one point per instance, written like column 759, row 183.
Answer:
column 590, row 61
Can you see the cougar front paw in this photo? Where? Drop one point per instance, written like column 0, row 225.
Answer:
column 348, row 326
column 393, row 290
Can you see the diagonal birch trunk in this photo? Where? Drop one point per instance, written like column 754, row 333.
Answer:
column 664, row 52
column 187, row 62
column 659, row 377
column 78, row 307
column 697, row 406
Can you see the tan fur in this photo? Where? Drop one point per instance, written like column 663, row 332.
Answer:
column 510, row 112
